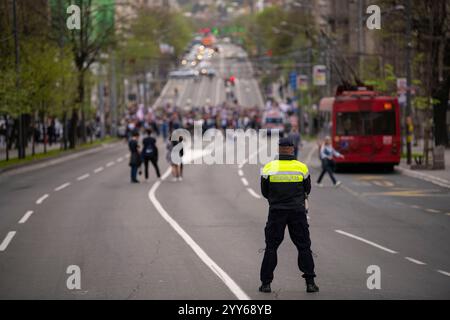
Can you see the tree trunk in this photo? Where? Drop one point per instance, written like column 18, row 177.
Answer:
column 7, row 136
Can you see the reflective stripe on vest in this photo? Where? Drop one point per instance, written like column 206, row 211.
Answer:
column 285, row 171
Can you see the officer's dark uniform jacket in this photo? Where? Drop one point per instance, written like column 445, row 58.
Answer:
column 285, row 183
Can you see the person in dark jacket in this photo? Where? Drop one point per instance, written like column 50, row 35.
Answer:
column 286, row 183
column 135, row 157
column 150, row 153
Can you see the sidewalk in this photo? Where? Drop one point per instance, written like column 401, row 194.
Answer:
column 39, row 148
column 438, row 177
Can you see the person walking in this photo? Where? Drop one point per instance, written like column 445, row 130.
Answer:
column 135, row 157
column 150, row 154
column 327, row 155
column 296, row 139
column 286, row 183
column 176, row 162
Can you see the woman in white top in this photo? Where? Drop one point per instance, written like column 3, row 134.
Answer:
column 327, row 154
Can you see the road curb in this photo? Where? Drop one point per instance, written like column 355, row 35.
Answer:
column 426, row 177
column 42, row 163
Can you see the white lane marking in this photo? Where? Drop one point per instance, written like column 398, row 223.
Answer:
column 7, row 240
column 98, row 170
column 127, row 156
column 230, row 283
column 433, row 211
column 119, row 159
column 445, row 273
column 415, row 261
column 366, row 241
column 41, row 199
column 109, row 164
column 84, row 176
column 416, row 207
column 253, row 193
column 353, row 193
column 241, row 173
column 244, row 181
column 26, row 216
column 65, row 185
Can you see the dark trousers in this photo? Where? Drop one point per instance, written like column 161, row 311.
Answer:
column 299, row 231
column 134, row 170
column 154, row 162
column 327, row 167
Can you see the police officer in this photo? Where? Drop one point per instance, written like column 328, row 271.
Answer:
column 286, row 183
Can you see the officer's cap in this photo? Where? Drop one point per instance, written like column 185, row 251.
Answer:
column 285, row 142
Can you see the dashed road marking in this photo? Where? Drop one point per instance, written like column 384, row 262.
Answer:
column 416, row 207
column 41, row 199
column 241, row 173
column 373, row 244
column 119, row 159
column 445, row 273
column 84, row 176
column 253, row 193
column 415, row 261
column 26, row 216
column 99, row 170
column 433, row 211
column 244, row 181
column 63, row 186
column 109, row 164
column 7, row 240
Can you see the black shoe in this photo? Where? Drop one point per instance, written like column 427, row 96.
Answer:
column 312, row 288
column 265, row 288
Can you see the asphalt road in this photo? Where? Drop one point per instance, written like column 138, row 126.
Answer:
column 203, row 238
column 212, row 91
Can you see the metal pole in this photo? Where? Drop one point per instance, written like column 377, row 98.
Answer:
column 360, row 37
column 408, row 78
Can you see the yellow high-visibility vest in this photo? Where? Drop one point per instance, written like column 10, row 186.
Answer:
column 285, row 171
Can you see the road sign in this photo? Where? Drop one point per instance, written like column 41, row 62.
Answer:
column 320, row 75
column 293, row 80
column 303, row 82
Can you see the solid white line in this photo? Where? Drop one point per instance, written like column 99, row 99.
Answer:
column 41, row 199
column 84, row 176
column 234, row 288
column 109, row 164
column 253, row 193
column 366, row 241
column 244, row 181
column 25, row 217
column 241, row 173
column 445, row 273
column 433, row 211
column 7, row 240
column 98, row 170
column 65, row 185
column 415, row 261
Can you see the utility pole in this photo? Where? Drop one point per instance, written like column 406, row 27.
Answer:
column 360, row 37
column 21, row 147
column 408, row 78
